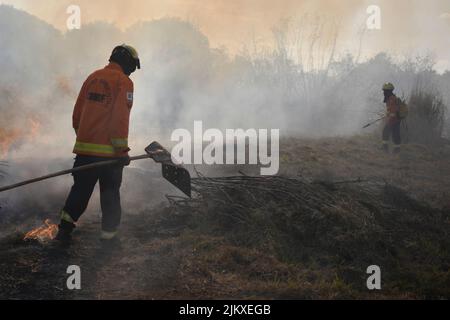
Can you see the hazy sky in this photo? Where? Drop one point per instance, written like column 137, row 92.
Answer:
column 407, row 25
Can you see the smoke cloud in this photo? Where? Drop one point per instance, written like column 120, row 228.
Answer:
column 406, row 25
column 309, row 79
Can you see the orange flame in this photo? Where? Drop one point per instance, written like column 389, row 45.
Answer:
column 44, row 233
column 9, row 136
column 34, row 127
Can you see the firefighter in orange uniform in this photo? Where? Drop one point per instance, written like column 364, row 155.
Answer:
column 393, row 118
column 101, row 119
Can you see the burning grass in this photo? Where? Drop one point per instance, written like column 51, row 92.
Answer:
column 43, row 233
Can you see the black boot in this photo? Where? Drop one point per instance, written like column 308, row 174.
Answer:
column 65, row 229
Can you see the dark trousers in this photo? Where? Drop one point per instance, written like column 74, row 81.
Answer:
column 392, row 129
column 110, row 178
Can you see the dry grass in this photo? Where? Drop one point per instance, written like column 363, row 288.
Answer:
column 426, row 119
column 269, row 244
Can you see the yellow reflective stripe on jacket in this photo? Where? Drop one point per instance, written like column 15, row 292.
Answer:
column 94, row 148
column 120, row 142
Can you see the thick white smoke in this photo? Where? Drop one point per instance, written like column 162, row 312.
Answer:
column 183, row 79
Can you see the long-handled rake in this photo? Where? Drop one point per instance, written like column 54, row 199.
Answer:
column 175, row 174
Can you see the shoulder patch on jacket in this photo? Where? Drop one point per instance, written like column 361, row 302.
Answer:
column 130, row 96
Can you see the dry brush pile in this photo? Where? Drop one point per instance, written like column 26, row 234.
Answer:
column 347, row 225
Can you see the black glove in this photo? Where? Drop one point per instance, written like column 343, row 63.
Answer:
column 124, row 161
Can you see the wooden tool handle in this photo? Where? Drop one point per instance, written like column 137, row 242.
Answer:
column 76, row 169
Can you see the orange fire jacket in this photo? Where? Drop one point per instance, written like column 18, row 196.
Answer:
column 102, row 112
column 392, row 108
